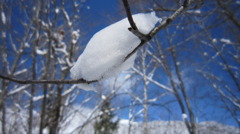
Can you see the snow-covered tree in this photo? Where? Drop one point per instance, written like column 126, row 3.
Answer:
column 107, row 122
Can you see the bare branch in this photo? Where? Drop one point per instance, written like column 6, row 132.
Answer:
column 129, row 14
column 165, row 23
column 171, row 18
column 45, row 81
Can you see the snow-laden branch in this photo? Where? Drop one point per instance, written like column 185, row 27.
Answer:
column 143, row 37
column 106, row 54
column 18, row 89
column 146, row 37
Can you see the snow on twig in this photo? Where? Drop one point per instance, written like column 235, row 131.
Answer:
column 3, row 18
column 153, row 81
column 19, row 89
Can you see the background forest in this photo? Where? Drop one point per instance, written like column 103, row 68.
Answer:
column 186, row 79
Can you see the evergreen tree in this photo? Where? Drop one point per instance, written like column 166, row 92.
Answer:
column 105, row 123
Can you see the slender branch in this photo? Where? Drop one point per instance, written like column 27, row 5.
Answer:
column 141, row 36
column 45, row 81
column 133, row 28
column 129, row 14
column 165, row 23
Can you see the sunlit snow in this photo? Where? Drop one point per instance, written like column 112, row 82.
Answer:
column 75, row 36
column 3, row 18
column 214, row 40
column 227, row 41
column 184, row 116
column 104, row 54
column 81, row 120
column 57, row 10
column 194, row 11
column 41, row 52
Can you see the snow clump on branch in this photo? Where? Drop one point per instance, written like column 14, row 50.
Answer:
column 105, row 53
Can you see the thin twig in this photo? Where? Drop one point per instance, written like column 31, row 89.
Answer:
column 167, row 21
column 129, row 14
column 133, row 28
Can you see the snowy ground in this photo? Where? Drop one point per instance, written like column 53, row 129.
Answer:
column 75, row 118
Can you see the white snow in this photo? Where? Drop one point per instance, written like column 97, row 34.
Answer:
column 67, row 18
column 37, row 98
column 104, row 54
column 86, row 86
column 103, row 97
column 184, row 116
column 69, row 63
column 124, row 121
column 26, row 44
column 58, row 35
column 75, row 36
column 3, row 18
column 153, row 100
column 57, row 10
column 45, row 25
column 18, row 89
column 76, row 118
column 214, row 40
column 20, row 72
column 76, row 4
column 63, row 49
column 45, row 131
column 69, row 90
column 41, row 52
column 227, row 41
column 214, row 85
column 205, row 54
column 194, row 11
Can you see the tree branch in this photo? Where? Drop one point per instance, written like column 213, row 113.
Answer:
column 171, row 18
column 78, row 81
column 145, row 38
column 129, row 14
column 133, row 28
